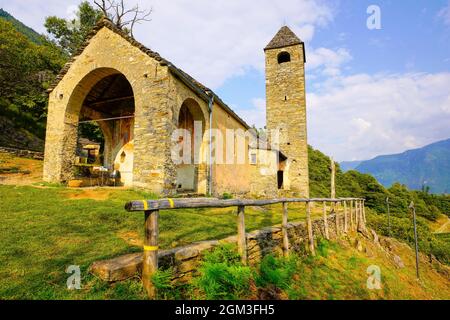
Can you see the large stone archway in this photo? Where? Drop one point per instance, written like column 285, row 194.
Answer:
column 105, row 96
column 106, row 55
column 192, row 172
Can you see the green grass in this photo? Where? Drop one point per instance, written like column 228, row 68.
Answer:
column 336, row 272
column 43, row 231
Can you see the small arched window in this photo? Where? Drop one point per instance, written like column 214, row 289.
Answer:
column 284, row 57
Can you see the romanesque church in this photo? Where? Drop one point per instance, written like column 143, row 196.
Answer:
column 138, row 99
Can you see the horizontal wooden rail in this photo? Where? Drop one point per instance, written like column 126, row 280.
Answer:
column 182, row 203
column 151, row 209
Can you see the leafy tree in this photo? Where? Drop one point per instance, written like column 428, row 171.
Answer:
column 69, row 34
column 26, row 69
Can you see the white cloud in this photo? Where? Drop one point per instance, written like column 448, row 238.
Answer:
column 216, row 40
column 357, row 116
column 327, row 57
column 33, row 12
column 259, row 103
column 361, row 124
column 211, row 40
column 361, row 116
column 444, row 14
column 256, row 114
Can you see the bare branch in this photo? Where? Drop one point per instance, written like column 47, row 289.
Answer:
column 123, row 18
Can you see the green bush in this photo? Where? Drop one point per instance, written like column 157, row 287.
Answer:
column 227, row 195
column 162, row 280
column 222, row 275
column 402, row 228
column 276, row 271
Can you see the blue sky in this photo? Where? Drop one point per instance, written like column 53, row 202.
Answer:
column 369, row 92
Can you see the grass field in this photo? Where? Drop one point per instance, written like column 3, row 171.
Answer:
column 44, row 229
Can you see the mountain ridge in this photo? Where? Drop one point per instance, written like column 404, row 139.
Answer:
column 30, row 33
column 425, row 167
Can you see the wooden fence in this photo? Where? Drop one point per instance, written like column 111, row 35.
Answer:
column 353, row 208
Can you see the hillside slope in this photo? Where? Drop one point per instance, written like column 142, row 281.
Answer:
column 22, row 28
column 29, row 62
column 13, row 136
column 341, row 270
column 429, row 166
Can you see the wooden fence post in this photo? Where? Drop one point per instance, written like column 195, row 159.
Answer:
column 356, row 214
column 150, row 262
column 309, row 226
column 284, row 230
column 242, row 237
column 364, row 211
column 352, row 225
column 336, row 206
column 345, row 217
column 360, row 217
column 325, row 221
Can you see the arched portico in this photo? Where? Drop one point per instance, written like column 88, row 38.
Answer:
column 105, row 96
column 191, row 125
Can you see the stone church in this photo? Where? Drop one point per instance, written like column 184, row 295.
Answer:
column 138, row 99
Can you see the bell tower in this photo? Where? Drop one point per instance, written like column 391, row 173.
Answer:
column 286, row 108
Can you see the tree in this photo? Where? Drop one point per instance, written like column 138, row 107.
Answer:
column 122, row 17
column 70, row 34
column 26, row 69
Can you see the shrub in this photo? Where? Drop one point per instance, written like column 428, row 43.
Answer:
column 162, row 280
column 222, row 275
column 402, row 229
column 277, row 272
column 227, row 195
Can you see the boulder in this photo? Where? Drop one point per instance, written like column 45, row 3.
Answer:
column 398, row 261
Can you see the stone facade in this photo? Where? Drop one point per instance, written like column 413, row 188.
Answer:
column 286, row 107
column 144, row 149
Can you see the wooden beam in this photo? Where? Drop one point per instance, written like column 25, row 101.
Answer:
column 345, row 217
column 325, row 221
column 150, row 263
column 242, row 236
column 109, row 101
column 310, row 230
column 336, row 214
column 351, row 215
column 356, row 215
column 333, row 179
column 284, row 230
column 364, row 211
column 181, row 203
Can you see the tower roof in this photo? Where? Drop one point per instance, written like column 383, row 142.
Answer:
column 284, row 37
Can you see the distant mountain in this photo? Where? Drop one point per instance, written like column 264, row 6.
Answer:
column 427, row 166
column 349, row 165
column 19, row 26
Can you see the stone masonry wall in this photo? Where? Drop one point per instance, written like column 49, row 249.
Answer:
column 23, row 153
column 185, row 260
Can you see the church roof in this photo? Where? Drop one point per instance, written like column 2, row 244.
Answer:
column 203, row 91
column 285, row 37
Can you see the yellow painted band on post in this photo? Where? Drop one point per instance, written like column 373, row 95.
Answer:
column 172, row 204
column 145, row 203
column 151, row 248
